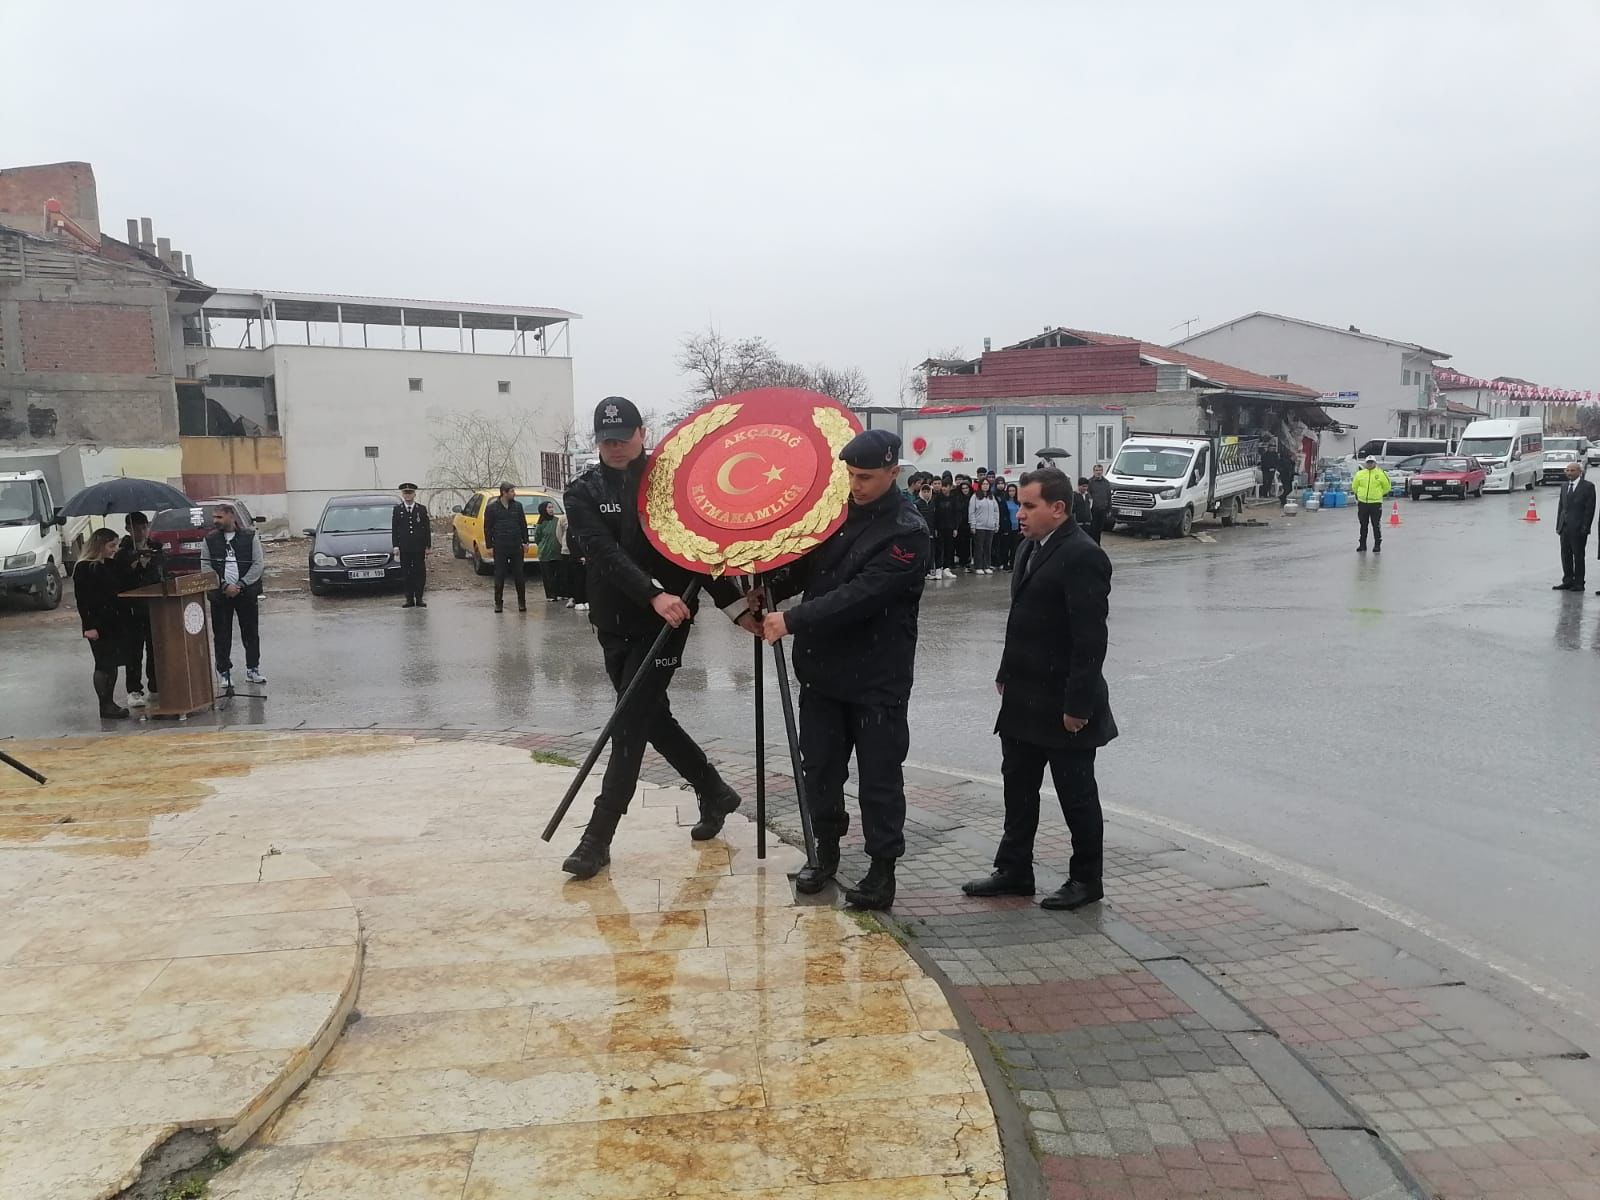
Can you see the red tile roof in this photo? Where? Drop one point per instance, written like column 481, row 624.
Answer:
column 1221, row 373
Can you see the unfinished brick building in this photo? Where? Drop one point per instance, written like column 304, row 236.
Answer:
column 92, row 335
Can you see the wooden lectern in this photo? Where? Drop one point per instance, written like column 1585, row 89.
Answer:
column 180, row 632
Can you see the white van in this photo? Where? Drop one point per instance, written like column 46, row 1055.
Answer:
column 31, row 559
column 1511, row 451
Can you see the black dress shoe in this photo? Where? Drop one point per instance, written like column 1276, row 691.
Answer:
column 421, row 603
column 716, row 800
column 876, row 890
column 1001, row 883
column 499, row 608
column 1361, row 549
column 1377, row 549
column 810, row 880
column 410, row 603
column 1073, row 894
column 1563, row 587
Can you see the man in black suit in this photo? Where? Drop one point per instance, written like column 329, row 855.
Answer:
column 413, row 537
column 1574, row 519
column 1055, row 709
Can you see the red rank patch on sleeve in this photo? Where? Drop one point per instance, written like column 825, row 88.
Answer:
column 900, row 554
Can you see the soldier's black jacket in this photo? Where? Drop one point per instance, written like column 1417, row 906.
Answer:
column 624, row 569
column 855, row 628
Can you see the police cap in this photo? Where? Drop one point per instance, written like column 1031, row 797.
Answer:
column 616, row 417
column 872, row 449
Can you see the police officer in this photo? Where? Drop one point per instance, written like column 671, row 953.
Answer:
column 855, row 639
column 633, row 591
column 412, row 534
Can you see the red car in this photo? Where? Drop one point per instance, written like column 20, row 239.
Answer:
column 1448, row 476
column 182, row 532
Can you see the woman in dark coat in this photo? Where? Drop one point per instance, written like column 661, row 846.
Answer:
column 96, row 580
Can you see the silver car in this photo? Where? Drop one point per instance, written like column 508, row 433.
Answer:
column 1400, row 474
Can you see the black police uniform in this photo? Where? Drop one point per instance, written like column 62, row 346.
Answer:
column 625, row 572
column 855, row 643
column 412, row 534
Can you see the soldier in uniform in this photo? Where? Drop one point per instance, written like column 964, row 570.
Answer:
column 412, row 533
column 633, row 591
column 855, row 640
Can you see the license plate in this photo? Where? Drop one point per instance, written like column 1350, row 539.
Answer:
column 1434, row 487
column 1129, row 512
column 192, row 547
column 375, row 574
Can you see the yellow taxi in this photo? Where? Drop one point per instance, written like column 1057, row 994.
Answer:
column 466, row 530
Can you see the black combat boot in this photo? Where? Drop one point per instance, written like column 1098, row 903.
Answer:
column 876, row 891
column 105, row 686
column 810, row 880
column 717, row 800
column 594, row 847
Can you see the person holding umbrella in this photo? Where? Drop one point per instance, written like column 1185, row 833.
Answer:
column 96, row 582
column 139, row 559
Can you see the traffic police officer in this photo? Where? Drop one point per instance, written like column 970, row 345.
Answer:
column 633, row 590
column 855, row 640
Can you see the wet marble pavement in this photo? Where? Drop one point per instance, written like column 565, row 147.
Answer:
column 676, row 1026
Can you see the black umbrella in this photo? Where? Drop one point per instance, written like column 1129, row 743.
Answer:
column 124, row 496
column 1053, row 452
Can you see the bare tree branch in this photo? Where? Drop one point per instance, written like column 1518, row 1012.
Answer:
column 718, row 367
column 472, row 451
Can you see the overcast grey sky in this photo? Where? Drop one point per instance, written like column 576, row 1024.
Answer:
column 859, row 182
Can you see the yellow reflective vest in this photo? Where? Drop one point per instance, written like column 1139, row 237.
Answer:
column 1371, row 485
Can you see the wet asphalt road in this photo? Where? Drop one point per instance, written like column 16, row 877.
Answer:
column 1419, row 726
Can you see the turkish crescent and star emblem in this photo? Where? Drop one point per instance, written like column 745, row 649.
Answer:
column 750, row 482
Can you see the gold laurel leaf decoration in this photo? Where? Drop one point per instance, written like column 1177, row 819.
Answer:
column 797, row 539
column 659, row 504
column 801, row 536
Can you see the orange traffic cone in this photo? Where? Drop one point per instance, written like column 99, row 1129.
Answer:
column 1394, row 516
column 1533, row 513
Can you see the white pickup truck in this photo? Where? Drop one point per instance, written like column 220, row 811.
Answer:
column 31, row 557
column 1162, row 482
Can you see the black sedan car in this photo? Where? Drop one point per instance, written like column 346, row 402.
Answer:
column 353, row 544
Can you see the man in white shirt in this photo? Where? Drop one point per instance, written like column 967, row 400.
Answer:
column 235, row 556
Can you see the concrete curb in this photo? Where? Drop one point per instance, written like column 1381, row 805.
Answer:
column 299, row 1070
column 1024, row 1179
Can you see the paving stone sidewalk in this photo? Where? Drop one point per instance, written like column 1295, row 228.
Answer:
column 1201, row 1034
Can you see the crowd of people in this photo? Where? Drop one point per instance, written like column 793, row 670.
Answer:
column 974, row 518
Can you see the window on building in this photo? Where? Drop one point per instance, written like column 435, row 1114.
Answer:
column 1279, row 378
column 1016, row 445
column 1405, row 378
column 505, row 386
column 555, row 468
column 1108, row 443
column 416, row 383
column 372, row 451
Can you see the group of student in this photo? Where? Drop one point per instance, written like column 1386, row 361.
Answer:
column 973, row 519
column 973, row 522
